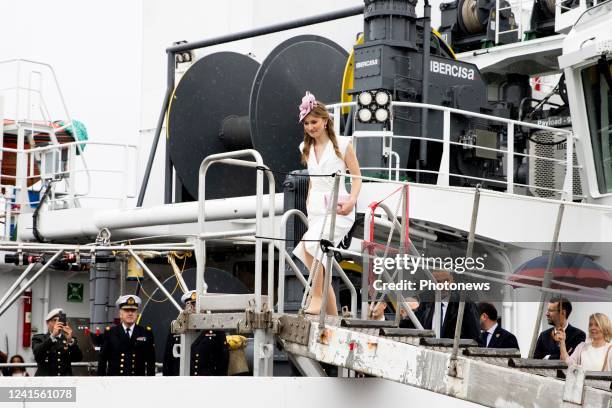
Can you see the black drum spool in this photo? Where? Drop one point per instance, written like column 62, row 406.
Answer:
column 226, row 101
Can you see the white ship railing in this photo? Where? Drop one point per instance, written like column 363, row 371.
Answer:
column 25, row 96
column 25, row 79
column 566, row 17
column 62, row 162
column 443, row 172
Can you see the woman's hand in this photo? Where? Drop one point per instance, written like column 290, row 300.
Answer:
column 347, row 207
column 559, row 336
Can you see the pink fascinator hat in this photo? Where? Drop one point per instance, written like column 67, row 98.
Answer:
column 308, row 103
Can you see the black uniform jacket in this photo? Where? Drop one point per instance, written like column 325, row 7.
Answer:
column 54, row 357
column 209, row 354
column 501, row 338
column 123, row 355
column 546, row 345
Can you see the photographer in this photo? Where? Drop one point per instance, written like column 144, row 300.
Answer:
column 56, row 350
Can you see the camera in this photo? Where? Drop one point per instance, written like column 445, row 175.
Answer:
column 62, row 318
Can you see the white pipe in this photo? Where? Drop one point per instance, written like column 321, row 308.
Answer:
column 80, row 222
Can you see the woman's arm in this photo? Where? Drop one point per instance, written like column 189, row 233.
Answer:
column 350, row 159
column 574, row 358
column 559, row 337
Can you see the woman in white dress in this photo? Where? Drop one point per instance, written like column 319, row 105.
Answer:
column 324, row 153
column 593, row 355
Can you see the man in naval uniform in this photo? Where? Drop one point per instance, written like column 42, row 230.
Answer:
column 128, row 349
column 209, row 352
column 56, row 350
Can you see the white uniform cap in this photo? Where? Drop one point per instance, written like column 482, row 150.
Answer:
column 189, row 297
column 128, row 302
column 53, row 313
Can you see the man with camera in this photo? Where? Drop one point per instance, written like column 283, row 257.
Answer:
column 56, row 350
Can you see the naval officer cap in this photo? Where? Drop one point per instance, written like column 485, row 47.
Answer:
column 189, row 297
column 53, row 313
column 128, row 302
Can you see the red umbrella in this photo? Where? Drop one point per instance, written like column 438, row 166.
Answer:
column 574, row 269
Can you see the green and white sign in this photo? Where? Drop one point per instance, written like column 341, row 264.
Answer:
column 75, row 292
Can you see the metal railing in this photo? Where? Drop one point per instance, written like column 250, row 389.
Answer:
column 33, row 106
column 566, row 17
column 444, row 173
column 27, row 80
column 72, row 179
column 285, row 258
column 263, row 342
column 510, row 6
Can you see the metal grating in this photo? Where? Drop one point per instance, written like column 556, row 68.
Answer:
column 546, row 174
column 295, row 188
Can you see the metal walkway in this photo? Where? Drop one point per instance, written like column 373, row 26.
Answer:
column 416, row 358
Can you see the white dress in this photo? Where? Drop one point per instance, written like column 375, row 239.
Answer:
column 320, row 188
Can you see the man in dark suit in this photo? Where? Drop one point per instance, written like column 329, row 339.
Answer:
column 449, row 309
column 128, row 349
column 209, row 352
column 492, row 335
column 56, row 350
column 547, row 347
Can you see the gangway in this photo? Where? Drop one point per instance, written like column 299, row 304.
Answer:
column 415, row 357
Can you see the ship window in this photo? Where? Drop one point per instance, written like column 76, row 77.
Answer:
column 597, row 83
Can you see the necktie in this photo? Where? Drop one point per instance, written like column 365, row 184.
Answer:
column 483, row 338
column 127, row 331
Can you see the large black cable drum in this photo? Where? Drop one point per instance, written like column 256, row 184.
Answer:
column 226, row 101
column 214, row 88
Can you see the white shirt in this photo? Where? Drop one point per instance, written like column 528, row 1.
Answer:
column 443, row 307
column 564, row 328
column 128, row 327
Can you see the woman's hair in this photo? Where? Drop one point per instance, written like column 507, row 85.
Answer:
column 320, row 111
column 603, row 322
column 17, row 356
column 21, row 360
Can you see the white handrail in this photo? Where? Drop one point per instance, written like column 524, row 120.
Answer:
column 67, row 171
column 444, row 172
